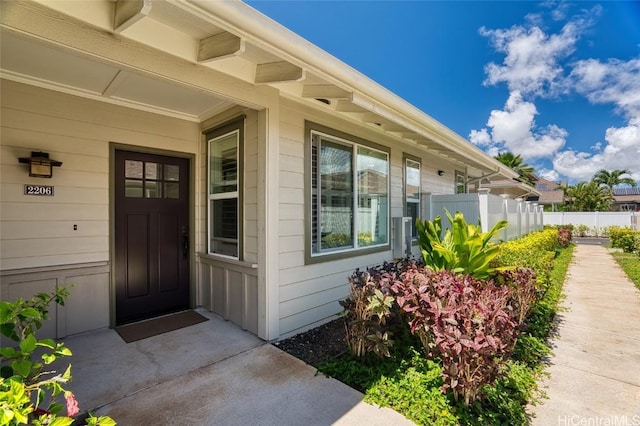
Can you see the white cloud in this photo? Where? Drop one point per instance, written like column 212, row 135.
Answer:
column 621, row 152
column 480, row 137
column 514, row 129
column 535, row 65
column 532, row 58
column 549, row 174
column 614, row 81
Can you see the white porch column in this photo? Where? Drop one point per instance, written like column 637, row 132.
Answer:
column 269, row 220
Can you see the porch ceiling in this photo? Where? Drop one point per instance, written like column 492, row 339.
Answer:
column 228, row 37
column 46, row 65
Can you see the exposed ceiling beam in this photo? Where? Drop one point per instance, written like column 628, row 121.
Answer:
column 128, row 12
column 277, row 72
column 325, row 91
column 371, row 117
column 220, row 46
column 392, row 127
column 348, row 106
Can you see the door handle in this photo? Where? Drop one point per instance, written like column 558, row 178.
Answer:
column 185, row 246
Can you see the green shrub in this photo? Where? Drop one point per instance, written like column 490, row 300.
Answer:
column 414, row 391
column 581, row 230
column 504, row 403
column 624, row 238
column 530, row 350
column 463, row 248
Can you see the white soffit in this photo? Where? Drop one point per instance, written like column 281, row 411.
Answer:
column 29, row 60
column 147, row 91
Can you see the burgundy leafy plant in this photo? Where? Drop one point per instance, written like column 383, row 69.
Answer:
column 564, row 237
column 466, row 322
column 521, row 283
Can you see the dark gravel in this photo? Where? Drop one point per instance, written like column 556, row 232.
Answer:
column 317, row 345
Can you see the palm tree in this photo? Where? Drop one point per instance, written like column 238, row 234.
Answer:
column 586, row 197
column 612, row 178
column 515, row 162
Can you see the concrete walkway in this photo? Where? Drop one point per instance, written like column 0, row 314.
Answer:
column 595, row 370
column 211, row 373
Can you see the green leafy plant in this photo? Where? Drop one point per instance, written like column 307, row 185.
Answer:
column 368, row 309
column 26, row 386
column 462, row 249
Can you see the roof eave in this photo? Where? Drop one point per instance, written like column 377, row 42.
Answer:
column 266, row 33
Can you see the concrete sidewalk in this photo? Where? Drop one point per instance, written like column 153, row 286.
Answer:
column 211, row 373
column 595, row 370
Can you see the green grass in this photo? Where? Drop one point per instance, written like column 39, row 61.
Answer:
column 411, row 384
column 630, row 264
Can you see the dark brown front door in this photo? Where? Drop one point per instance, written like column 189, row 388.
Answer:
column 151, row 235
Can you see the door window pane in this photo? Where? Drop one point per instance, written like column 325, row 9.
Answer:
column 152, row 189
column 171, row 173
column 133, row 188
column 172, row 190
column 151, row 171
column 133, row 169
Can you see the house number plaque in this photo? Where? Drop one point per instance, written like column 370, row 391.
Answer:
column 43, row 190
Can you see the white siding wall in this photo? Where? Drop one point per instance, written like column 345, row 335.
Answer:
column 36, row 233
column 309, row 294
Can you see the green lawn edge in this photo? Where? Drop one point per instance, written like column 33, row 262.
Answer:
column 630, row 264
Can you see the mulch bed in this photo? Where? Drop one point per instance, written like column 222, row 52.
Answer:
column 317, row 345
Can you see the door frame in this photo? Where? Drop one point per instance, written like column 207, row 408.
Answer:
column 113, row 147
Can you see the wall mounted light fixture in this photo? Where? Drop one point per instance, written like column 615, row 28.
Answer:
column 40, row 165
column 440, row 172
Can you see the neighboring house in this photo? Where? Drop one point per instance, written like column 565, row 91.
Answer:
column 210, row 157
column 513, row 188
column 626, row 199
column 551, row 195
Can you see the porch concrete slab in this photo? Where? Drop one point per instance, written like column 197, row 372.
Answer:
column 105, row 368
column 595, row 369
column 212, row 373
column 263, row 386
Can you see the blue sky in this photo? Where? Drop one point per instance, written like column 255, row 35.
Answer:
column 556, row 82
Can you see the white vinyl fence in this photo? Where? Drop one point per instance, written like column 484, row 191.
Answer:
column 596, row 222
column 524, row 217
